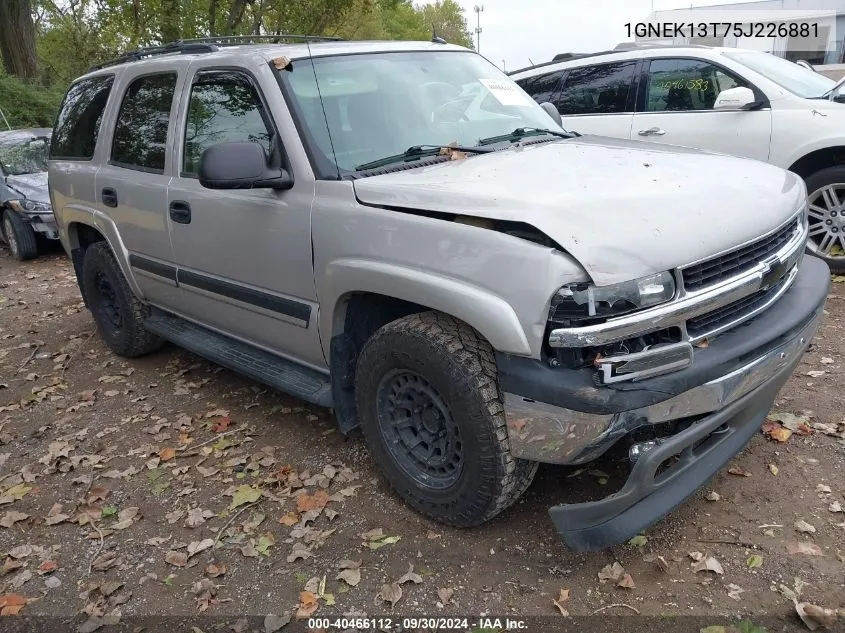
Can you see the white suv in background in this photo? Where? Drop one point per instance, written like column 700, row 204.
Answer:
column 726, row 100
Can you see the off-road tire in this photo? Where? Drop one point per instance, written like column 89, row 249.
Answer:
column 107, row 294
column 20, row 238
column 461, row 366
column 816, row 181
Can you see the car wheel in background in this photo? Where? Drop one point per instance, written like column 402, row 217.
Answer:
column 430, row 408
column 118, row 313
column 19, row 236
column 826, row 193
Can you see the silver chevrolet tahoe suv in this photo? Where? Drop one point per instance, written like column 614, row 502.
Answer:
column 398, row 232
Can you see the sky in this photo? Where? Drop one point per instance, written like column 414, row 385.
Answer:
column 517, row 31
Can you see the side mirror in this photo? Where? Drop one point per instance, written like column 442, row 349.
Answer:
column 240, row 165
column 551, row 110
column 734, row 99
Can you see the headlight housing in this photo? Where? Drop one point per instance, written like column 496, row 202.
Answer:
column 581, row 302
column 30, row 206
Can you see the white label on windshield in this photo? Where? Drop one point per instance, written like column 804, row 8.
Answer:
column 506, row 93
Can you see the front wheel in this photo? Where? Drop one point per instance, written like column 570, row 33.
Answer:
column 431, row 412
column 827, row 216
column 19, row 236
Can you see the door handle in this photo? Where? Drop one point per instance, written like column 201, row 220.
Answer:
column 652, row 131
column 180, row 211
column 109, row 197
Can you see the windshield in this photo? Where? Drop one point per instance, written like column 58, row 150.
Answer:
column 380, row 105
column 799, row 81
column 24, row 156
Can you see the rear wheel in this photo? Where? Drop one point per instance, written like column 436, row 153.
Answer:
column 19, row 236
column 431, row 411
column 827, row 216
column 118, row 313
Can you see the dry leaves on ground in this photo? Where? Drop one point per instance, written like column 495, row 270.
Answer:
column 563, row 596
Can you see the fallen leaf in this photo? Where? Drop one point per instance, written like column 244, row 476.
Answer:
column 708, row 564
column 804, row 527
column 222, row 425
column 299, row 551
column 196, row 547
column 308, row 604
column 815, row 617
column 562, row 597
column 788, row 420
column 410, row 576
column 696, row 556
column 249, row 551
column 776, row 432
column 713, row 496
column 244, row 495
column 736, row 470
column 166, row 454
column 445, row 594
column 11, row 517
column 291, row 518
column 15, row 493
column 638, row 541
column 773, row 469
column 626, row 581
column 373, row 535
column 754, row 561
column 805, row 548
column 387, row 540
column 215, row 570
column 350, row 576
column 826, row 360
column 11, row 603
column 835, row 507
column 734, row 591
column 317, row 501
column 273, row 623
column 47, row 567
column 390, row 593
column 177, row 559
column 816, row 373
column 611, row 572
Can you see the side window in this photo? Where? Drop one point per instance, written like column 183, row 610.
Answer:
column 599, row 89
column 542, row 87
column 224, row 107
column 140, row 134
column 78, row 124
column 686, row 84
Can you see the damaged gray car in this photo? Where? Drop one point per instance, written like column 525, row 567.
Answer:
column 26, row 216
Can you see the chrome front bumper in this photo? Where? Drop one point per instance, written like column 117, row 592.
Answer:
column 546, row 433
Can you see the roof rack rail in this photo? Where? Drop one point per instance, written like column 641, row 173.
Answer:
column 235, row 40
column 207, row 45
column 181, row 47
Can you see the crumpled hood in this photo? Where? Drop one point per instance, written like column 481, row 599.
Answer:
column 30, row 186
column 624, row 209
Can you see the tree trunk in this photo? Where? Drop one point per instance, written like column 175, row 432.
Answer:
column 212, row 17
column 236, row 16
column 170, row 21
column 17, row 38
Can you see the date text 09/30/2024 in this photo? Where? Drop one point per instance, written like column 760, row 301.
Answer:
column 410, row 624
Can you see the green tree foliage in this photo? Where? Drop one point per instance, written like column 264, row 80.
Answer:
column 71, row 35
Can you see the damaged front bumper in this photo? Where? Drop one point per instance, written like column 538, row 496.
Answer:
column 43, row 223
column 719, row 402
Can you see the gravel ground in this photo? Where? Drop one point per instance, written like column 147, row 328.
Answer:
column 167, row 486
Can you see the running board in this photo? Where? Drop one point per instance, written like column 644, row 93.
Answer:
column 274, row 371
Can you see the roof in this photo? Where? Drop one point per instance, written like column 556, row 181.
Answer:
column 636, row 52
column 209, row 48
column 24, row 134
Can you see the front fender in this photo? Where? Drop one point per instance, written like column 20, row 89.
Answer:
column 491, row 315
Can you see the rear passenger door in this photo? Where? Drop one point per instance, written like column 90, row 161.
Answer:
column 676, row 107
column 599, row 99
column 131, row 185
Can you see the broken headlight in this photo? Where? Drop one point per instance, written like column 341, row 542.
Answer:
column 30, row 206
column 584, row 302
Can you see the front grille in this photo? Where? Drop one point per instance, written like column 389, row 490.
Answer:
column 738, row 261
column 701, row 325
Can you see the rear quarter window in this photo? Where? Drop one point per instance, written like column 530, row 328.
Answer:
column 78, row 124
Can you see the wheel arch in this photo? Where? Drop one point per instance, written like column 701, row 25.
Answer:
column 818, row 159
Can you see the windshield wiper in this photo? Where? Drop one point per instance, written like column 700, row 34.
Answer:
column 420, row 151
column 521, row 132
